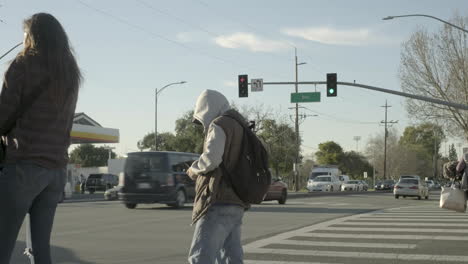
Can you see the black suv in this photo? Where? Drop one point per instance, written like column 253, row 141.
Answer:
column 157, row 177
column 101, row 182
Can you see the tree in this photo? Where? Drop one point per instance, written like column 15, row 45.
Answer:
column 330, row 153
column 189, row 136
column 165, row 142
column 355, row 164
column 452, row 153
column 436, row 65
column 375, row 153
column 279, row 140
column 90, row 156
column 426, row 137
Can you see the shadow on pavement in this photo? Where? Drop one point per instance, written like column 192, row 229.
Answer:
column 59, row 255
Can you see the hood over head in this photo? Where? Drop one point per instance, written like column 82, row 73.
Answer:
column 210, row 105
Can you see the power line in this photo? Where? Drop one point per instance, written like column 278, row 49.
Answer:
column 154, row 35
column 340, row 119
column 191, row 24
column 259, row 31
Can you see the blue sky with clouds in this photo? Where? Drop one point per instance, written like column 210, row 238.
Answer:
column 126, row 49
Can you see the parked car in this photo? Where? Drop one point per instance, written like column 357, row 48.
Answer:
column 365, row 185
column 378, row 185
column 387, row 185
column 113, row 193
column 352, row 185
column 430, row 184
column 157, row 177
column 411, row 187
column 329, row 183
column 278, row 190
column 101, row 182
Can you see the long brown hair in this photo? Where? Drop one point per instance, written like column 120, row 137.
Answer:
column 45, row 38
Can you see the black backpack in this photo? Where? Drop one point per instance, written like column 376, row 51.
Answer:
column 251, row 177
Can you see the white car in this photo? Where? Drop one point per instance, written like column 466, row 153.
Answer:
column 352, row 185
column 411, row 187
column 328, row 183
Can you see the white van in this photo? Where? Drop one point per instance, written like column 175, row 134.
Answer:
column 324, row 170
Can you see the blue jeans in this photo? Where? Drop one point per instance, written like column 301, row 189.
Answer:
column 28, row 188
column 217, row 236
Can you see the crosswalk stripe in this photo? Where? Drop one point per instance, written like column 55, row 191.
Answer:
column 390, row 229
column 281, row 262
column 344, row 244
column 409, row 219
column 403, row 224
column 416, row 216
column 385, row 236
column 367, row 255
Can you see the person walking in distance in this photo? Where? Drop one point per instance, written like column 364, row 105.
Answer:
column 218, row 210
column 46, row 75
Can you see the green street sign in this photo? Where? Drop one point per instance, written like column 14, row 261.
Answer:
column 305, row 97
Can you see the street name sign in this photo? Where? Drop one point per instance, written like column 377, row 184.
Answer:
column 305, row 97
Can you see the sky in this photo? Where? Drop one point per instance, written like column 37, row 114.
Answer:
column 128, row 49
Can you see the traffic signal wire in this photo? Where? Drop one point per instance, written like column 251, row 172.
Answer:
column 155, row 35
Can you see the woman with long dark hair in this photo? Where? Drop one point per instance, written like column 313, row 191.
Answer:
column 40, row 90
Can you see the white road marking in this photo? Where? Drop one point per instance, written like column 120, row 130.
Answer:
column 417, row 216
column 368, row 255
column 281, row 262
column 390, row 229
column 344, row 244
column 378, row 236
column 402, row 224
column 410, row 219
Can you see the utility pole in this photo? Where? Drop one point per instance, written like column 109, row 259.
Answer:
column 385, row 140
column 357, row 138
column 296, row 160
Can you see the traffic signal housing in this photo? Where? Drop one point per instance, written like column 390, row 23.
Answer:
column 243, row 85
column 332, row 89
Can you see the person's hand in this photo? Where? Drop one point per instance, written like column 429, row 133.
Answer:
column 191, row 174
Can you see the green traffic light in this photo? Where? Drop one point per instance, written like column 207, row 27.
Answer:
column 331, row 91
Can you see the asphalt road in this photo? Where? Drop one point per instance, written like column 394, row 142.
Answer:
column 353, row 228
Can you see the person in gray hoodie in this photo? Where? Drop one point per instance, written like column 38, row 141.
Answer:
column 217, row 211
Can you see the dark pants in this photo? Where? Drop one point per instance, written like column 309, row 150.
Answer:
column 28, row 188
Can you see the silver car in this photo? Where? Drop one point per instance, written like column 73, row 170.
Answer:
column 411, row 188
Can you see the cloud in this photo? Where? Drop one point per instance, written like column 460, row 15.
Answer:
column 186, row 37
column 249, row 41
column 327, row 35
column 230, row 84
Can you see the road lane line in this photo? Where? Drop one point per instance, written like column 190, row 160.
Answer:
column 344, row 244
column 384, row 236
column 418, row 216
column 318, row 253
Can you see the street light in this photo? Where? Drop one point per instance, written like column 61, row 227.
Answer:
column 433, row 17
column 156, row 112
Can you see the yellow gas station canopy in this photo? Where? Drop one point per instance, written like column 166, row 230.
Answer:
column 86, row 130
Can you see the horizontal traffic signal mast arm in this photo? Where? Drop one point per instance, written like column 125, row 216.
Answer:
column 413, row 96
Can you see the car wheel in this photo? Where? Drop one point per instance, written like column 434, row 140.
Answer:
column 180, row 199
column 427, row 197
column 131, row 205
column 397, row 196
column 284, row 196
column 419, row 197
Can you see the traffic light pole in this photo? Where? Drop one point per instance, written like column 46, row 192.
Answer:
column 378, row 89
column 296, row 159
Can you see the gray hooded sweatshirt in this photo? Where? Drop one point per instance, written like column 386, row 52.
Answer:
column 210, row 105
column 222, row 141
